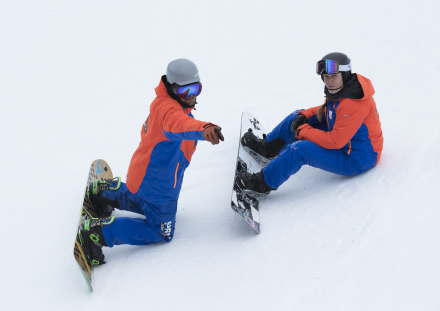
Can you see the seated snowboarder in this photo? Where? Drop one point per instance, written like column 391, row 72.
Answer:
column 168, row 140
column 342, row 136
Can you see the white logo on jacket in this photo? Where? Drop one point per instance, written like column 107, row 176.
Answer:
column 330, row 114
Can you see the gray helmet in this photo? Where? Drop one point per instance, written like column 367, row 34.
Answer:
column 182, row 71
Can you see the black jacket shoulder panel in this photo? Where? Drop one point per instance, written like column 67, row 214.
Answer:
column 352, row 90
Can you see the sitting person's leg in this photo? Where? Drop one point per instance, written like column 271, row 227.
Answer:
column 306, row 152
column 294, row 157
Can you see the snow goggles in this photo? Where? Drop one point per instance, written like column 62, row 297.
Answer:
column 186, row 91
column 330, row 67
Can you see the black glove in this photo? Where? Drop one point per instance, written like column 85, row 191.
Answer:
column 299, row 120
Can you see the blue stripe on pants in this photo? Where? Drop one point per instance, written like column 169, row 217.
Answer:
column 158, row 226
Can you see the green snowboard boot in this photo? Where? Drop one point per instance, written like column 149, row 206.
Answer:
column 102, row 206
column 92, row 239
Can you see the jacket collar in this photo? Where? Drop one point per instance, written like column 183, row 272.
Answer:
column 358, row 87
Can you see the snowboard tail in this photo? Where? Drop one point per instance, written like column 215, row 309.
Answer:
column 82, row 263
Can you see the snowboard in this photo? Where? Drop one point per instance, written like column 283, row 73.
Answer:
column 99, row 170
column 243, row 204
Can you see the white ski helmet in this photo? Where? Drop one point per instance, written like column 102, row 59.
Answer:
column 182, row 72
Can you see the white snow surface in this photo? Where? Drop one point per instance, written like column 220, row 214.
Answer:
column 76, row 82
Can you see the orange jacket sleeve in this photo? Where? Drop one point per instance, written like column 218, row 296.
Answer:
column 350, row 115
column 309, row 112
column 178, row 125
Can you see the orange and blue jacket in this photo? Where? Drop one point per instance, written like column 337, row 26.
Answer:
column 168, row 140
column 353, row 124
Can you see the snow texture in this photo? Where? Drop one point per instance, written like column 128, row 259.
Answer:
column 76, row 82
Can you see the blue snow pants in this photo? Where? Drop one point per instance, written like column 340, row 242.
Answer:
column 157, row 227
column 295, row 154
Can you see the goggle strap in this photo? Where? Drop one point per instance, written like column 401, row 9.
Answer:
column 345, row 67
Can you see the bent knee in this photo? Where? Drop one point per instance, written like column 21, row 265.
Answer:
column 303, row 147
column 305, row 144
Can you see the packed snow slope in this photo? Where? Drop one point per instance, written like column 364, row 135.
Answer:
column 76, row 82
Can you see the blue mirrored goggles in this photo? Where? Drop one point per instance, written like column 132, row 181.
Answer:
column 330, row 67
column 186, row 91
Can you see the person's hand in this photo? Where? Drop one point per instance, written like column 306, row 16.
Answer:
column 299, row 120
column 213, row 134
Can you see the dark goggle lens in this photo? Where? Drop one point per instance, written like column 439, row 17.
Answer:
column 329, row 66
column 188, row 90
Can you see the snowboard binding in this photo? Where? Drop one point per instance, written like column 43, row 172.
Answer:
column 263, row 152
column 92, row 239
column 100, row 206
